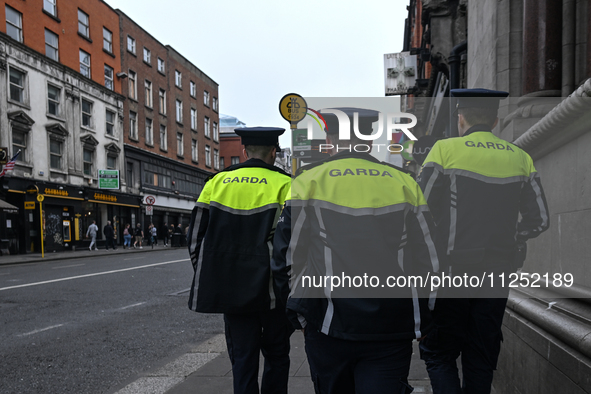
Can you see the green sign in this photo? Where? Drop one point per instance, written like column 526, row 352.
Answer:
column 407, row 146
column 108, row 179
column 300, row 144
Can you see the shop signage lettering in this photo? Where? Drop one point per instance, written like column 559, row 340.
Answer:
column 104, row 197
column 56, row 192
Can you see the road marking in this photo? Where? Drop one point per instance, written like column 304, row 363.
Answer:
column 5, row 273
column 40, row 330
column 131, row 306
column 90, row 275
column 67, row 266
column 135, row 258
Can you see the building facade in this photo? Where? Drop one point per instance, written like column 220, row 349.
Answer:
column 67, row 128
column 540, row 52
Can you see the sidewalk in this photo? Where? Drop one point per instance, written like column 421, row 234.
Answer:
column 216, row 375
column 78, row 254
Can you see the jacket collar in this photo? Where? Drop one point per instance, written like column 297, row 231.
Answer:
column 477, row 128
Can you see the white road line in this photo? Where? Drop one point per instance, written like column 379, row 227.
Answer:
column 40, row 330
column 90, row 275
column 131, row 306
column 5, row 273
column 67, row 266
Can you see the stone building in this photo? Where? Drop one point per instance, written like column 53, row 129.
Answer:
column 540, row 52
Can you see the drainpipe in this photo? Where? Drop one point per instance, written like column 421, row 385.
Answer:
column 454, row 64
column 569, row 18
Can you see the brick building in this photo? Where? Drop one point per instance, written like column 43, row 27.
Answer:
column 171, row 130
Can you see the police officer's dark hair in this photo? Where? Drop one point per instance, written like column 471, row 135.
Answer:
column 475, row 116
column 259, row 151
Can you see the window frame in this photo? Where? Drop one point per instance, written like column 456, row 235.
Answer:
column 56, row 102
column 163, row 138
column 132, row 93
column 216, row 159
column 59, row 155
column 85, row 162
column 133, row 126
column 206, row 98
column 178, row 78
column 216, row 132
column 56, row 48
column 106, row 41
column 162, row 101
column 131, row 44
column 180, row 148
column 207, row 156
column 89, row 76
column 19, row 29
column 149, row 136
column 206, row 124
column 87, row 114
column 193, row 89
column 215, row 103
column 87, row 25
column 111, row 157
column 147, row 56
column 112, row 123
column 148, row 99
column 162, row 63
column 22, row 89
column 23, row 148
column 110, row 80
column 195, row 150
column 52, row 3
column 193, row 119
column 179, row 111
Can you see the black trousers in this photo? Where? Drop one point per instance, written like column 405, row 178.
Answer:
column 339, row 366
column 470, row 327
column 249, row 334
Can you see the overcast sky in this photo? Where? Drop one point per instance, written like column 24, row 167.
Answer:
column 260, row 50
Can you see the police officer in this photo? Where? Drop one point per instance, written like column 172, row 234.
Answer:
column 347, row 216
column 476, row 187
column 229, row 238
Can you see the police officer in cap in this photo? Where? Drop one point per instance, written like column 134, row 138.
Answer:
column 352, row 214
column 230, row 244
column 476, row 186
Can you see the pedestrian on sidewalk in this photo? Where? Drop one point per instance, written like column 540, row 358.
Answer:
column 139, row 236
column 477, row 186
column 165, row 236
column 127, row 236
column 109, row 235
column 355, row 216
column 92, row 232
column 231, row 226
column 154, row 236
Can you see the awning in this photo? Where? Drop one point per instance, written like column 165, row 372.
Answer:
column 7, row 208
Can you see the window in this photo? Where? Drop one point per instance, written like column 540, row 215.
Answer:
column 147, row 55
column 14, row 24
column 130, row 180
column 163, row 138
column 206, row 98
column 109, row 77
column 17, row 85
column 86, row 113
column 215, row 103
column 107, row 40
column 193, row 89
column 194, row 150
column 133, row 125
column 19, row 141
column 51, row 45
column 216, row 159
column 132, row 85
column 131, row 44
column 207, row 156
column 50, row 7
column 55, row 154
column 162, row 99
column 234, row 160
column 215, row 131
column 111, row 162
column 87, row 159
column 206, row 125
column 179, row 111
column 161, row 65
column 178, row 78
column 179, row 144
column 53, row 100
column 110, row 122
column 222, row 162
column 148, row 87
column 194, row 119
column 84, row 64
column 149, row 133
column 83, row 24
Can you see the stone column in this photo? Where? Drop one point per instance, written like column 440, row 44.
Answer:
column 542, row 47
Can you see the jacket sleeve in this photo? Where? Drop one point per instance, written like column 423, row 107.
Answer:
column 533, row 208
column 279, row 267
column 198, row 225
column 432, row 181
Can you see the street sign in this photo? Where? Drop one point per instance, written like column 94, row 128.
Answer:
column 108, row 179
column 30, row 204
column 293, row 108
column 40, row 198
column 149, row 210
column 3, row 155
column 150, row 200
